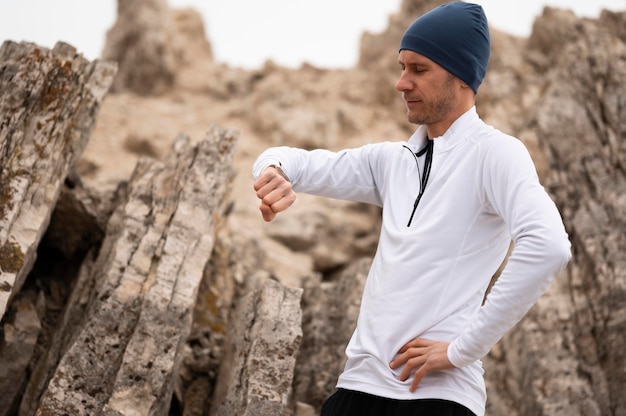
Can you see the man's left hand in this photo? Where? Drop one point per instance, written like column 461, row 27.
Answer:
column 422, row 356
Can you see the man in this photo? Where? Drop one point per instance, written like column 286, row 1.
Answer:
column 453, row 197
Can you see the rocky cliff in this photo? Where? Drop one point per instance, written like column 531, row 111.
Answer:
column 136, row 274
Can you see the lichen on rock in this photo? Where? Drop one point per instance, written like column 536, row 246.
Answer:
column 11, row 257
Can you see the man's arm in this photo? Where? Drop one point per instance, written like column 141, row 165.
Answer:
column 541, row 249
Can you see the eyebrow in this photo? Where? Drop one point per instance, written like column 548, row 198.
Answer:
column 413, row 63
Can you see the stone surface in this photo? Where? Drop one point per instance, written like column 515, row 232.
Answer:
column 141, row 41
column 49, row 100
column 151, row 43
column 330, row 312
column 21, row 330
column 260, row 352
column 145, row 281
column 567, row 356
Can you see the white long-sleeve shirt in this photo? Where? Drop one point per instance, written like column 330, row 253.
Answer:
column 428, row 279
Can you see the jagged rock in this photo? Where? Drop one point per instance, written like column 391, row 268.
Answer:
column 330, row 312
column 191, row 43
column 79, row 218
column 567, row 356
column 260, row 352
column 21, row 328
column 552, row 31
column 141, row 41
column 152, row 43
column 48, row 104
column 232, row 260
column 125, row 351
column 75, row 234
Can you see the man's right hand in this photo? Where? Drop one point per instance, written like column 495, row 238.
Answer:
column 274, row 191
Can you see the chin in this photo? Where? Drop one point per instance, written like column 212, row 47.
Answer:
column 414, row 120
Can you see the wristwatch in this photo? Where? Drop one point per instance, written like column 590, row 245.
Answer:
column 279, row 170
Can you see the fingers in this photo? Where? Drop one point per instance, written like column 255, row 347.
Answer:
column 413, row 348
column 417, row 378
column 411, row 358
column 275, row 193
column 420, row 357
column 266, row 178
column 416, row 342
column 266, row 212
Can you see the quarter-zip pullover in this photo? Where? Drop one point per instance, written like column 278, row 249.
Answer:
column 428, row 279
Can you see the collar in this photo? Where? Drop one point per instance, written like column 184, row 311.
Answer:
column 461, row 128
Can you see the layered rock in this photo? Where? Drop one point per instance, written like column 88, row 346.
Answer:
column 331, row 309
column 48, row 105
column 567, row 356
column 257, row 367
column 145, row 282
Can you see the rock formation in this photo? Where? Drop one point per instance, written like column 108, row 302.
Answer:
column 569, row 352
column 151, row 44
column 47, row 107
column 136, row 297
column 138, row 278
column 257, row 366
column 48, row 98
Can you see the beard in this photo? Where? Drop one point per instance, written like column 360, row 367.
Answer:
column 438, row 109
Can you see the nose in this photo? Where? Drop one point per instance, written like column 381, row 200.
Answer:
column 403, row 84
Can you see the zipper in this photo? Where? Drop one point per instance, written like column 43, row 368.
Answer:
column 428, row 149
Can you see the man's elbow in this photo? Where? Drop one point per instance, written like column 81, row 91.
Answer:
column 559, row 251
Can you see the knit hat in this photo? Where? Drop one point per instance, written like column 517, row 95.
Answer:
column 455, row 36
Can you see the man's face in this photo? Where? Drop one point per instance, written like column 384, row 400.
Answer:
column 430, row 92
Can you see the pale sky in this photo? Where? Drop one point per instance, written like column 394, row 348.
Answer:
column 246, row 33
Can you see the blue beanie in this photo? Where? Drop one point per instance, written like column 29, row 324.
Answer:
column 455, row 36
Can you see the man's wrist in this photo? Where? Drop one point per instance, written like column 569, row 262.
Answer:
column 279, row 170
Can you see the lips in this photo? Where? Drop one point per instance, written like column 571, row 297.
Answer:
column 411, row 100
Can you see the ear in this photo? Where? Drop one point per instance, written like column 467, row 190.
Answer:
column 466, row 89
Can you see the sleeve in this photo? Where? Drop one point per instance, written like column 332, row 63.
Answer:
column 352, row 174
column 541, row 248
